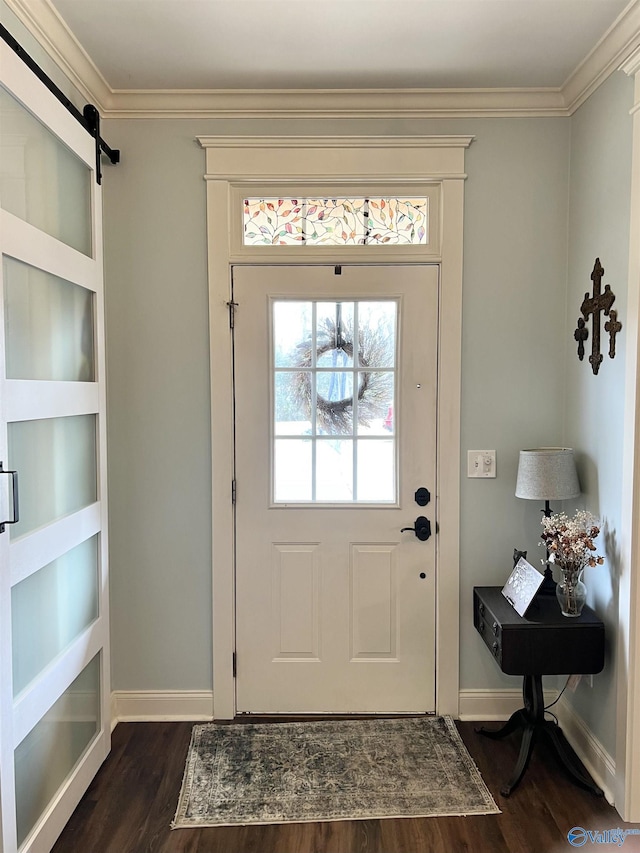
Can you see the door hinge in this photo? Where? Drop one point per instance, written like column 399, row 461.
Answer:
column 232, row 313
column 234, row 664
column 233, row 491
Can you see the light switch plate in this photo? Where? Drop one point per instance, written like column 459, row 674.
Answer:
column 481, row 463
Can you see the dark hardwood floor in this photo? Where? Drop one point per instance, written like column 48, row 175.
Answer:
column 131, row 803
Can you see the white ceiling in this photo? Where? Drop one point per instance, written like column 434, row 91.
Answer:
column 337, row 44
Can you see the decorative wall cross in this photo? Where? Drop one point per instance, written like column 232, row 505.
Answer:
column 592, row 306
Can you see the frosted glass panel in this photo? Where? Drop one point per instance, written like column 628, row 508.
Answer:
column 48, row 325
column 54, row 746
column 41, row 180
column 51, row 608
column 56, row 463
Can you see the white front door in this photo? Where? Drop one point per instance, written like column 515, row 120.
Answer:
column 335, row 415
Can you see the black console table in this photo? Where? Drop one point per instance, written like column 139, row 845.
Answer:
column 543, row 643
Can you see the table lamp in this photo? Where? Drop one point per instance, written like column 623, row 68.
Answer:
column 547, row 474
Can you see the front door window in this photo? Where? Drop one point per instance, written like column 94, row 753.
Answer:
column 334, row 381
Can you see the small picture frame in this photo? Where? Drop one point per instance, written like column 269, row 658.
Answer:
column 523, row 583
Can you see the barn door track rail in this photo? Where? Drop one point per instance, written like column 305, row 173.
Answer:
column 89, row 118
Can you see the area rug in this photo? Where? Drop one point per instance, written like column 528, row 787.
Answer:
column 334, row 770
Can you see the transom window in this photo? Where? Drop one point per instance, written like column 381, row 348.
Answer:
column 334, row 381
column 335, row 221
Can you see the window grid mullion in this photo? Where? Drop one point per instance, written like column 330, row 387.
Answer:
column 355, row 362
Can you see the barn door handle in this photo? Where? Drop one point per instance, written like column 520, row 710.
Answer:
column 422, row 528
column 14, row 491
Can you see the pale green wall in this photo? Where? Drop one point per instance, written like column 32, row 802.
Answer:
column 515, row 268
column 601, row 138
column 158, row 381
column 158, row 409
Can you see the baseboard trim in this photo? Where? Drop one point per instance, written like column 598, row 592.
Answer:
column 114, row 712
column 492, row 705
column 601, row 766
column 489, row 704
column 160, row 705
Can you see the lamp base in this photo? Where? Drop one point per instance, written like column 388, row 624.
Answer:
column 548, row 586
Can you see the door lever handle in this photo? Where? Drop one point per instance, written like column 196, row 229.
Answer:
column 422, row 528
column 14, row 491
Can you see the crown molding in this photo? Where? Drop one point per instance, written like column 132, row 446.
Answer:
column 335, row 103
column 50, row 30
column 631, row 65
column 621, row 39
column 55, row 37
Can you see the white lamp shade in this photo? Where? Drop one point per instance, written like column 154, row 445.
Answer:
column 547, row 474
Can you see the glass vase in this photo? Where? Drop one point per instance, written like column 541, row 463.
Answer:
column 571, row 592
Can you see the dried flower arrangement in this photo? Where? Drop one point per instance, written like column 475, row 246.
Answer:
column 569, row 541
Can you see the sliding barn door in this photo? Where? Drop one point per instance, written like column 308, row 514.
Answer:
column 54, row 660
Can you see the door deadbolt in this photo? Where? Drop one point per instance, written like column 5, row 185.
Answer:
column 422, row 496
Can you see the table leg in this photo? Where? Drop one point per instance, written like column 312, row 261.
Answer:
column 532, row 721
column 566, row 757
column 514, row 723
column 526, row 748
column 533, row 697
column 532, row 717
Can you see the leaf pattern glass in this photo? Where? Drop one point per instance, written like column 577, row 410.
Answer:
column 335, row 221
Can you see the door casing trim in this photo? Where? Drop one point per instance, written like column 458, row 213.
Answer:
column 357, row 161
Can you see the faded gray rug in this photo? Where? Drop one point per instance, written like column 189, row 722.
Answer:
column 334, row 770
